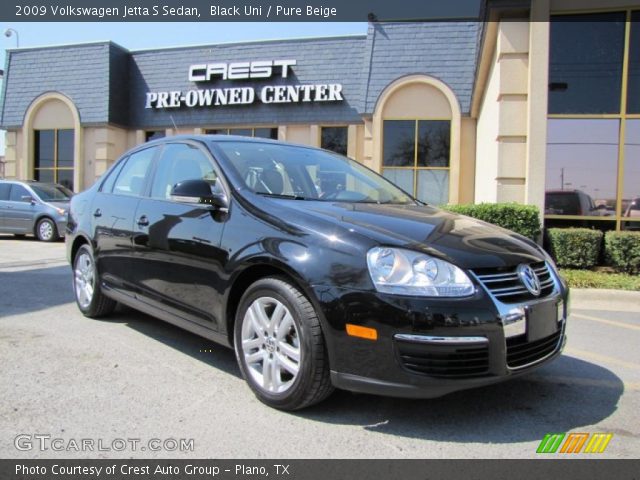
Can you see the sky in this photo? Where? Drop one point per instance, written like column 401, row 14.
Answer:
column 135, row 36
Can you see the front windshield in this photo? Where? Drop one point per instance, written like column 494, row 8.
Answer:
column 308, row 174
column 52, row 193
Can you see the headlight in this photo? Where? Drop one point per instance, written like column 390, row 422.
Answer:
column 404, row 272
column 61, row 211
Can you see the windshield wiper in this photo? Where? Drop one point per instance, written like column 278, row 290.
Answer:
column 282, row 195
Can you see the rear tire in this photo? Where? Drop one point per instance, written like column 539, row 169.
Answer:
column 86, row 286
column 46, row 230
column 280, row 347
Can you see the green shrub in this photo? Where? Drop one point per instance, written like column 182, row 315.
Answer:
column 575, row 247
column 622, row 251
column 591, row 279
column 522, row 219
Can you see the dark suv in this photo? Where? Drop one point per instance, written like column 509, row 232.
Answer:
column 316, row 270
column 573, row 202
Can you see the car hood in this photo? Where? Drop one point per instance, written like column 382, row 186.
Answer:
column 63, row 205
column 467, row 242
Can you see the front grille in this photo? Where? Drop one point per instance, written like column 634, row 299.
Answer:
column 521, row 353
column 444, row 361
column 504, row 283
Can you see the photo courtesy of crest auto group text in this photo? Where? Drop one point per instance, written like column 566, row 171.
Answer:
column 235, row 237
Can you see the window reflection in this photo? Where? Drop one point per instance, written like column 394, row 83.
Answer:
column 585, row 67
column 153, row 135
column 633, row 95
column 581, row 172
column 53, row 156
column 44, row 148
column 403, row 178
column 243, row 132
column 65, row 148
column 433, row 186
column 631, row 191
column 434, row 143
column 421, row 171
column 261, row 132
column 399, row 144
column 334, row 139
column 271, row 133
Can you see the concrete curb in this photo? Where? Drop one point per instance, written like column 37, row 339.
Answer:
column 601, row 299
column 604, row 295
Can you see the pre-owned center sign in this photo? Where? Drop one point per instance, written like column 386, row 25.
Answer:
column 215, row 97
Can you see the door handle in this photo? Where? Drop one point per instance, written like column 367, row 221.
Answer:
column 143, row 221
column 97, row 213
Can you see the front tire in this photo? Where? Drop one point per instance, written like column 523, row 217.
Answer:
column 86, row 286
column 280, row 346
column 46, row 230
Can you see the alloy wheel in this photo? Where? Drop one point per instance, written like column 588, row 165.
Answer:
column 84, row 279
column 271, row 345
column 45, row 230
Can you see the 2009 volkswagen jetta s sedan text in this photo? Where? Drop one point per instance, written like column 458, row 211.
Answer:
column 316, row 270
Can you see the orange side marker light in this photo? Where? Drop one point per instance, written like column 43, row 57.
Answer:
column 362, row 332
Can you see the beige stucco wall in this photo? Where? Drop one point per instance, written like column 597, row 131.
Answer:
column 535, row 167
column 486, row 170
column 417, row 100
column 102, row 147
column 467, row 160
column 302, row 134
column 53, row 114
column 13, row 153
column 503, row 118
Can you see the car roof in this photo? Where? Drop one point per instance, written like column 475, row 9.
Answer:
column 28, row 182
column 222, row 138
column 563, row 192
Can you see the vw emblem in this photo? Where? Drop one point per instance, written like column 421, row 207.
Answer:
column 529, row 279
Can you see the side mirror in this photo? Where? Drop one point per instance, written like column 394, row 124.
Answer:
column 199, row 192
column 27, row 198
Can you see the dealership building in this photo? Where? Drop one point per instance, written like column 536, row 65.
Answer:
column 539, row 104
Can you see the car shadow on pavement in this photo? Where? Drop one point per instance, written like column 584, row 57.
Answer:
column 27, row 291
column 199, row 348
column 565, row 395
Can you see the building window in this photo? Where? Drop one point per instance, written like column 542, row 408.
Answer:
column 53, row 156
column 586, row 56
column 335, row 139
column 416, row 156
column 153, row 135
column 593, row 135
column 260, row 132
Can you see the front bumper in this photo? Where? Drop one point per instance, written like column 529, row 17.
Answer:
column 423, row 347
column 61, row 225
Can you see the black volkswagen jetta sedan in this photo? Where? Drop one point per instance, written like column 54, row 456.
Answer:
column 317, row 271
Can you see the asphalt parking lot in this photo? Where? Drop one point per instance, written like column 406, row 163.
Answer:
column 133, row 377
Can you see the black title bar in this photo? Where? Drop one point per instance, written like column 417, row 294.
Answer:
column 278, row 469
column 235, row 10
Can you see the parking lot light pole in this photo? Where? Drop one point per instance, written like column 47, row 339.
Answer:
column 9, row 32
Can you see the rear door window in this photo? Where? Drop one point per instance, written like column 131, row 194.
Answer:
column 179, row 162
column 133, row 176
